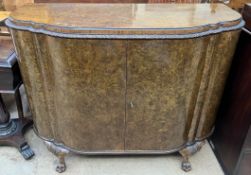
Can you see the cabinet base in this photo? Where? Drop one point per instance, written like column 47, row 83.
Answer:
column 60, row 151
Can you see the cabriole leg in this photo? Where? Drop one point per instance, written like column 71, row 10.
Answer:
column 60, row 153
column 187, row 152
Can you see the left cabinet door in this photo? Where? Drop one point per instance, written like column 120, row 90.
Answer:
column 76, row 89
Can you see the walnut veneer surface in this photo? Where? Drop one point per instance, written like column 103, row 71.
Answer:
column 130, row 78
column 126, row 18
column 4, row 15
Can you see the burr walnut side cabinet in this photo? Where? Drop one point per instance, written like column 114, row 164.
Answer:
column 124, row 78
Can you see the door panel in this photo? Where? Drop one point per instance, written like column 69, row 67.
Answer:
column 162, row 78
column 76, row 89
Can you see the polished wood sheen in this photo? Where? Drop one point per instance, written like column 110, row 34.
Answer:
column 10, row 5
column 130, row 18
column 124, row 78
column 4, row 15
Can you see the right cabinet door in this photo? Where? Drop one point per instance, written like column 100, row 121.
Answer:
column 162, row 85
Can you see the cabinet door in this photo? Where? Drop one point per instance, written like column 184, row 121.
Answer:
column 162, row 85
column 94, row 82
column 76, row 89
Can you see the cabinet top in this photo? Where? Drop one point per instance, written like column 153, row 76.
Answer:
column 4, row 15
column 76, row 20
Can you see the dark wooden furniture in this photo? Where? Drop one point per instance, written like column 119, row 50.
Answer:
column 11, row 130
column 234, row 117
column 237, row 4
column 124, row 78
column 243, row 165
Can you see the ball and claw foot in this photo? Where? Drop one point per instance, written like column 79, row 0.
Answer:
column 60, row 168
column 187, row 152
column 186, row 166
column 60, row 153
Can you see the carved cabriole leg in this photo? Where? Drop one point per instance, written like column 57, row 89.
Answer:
column 187, row 152
column 60, row 153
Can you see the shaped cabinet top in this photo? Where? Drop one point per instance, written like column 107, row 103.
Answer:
column 4, row 15
column 124, row 20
